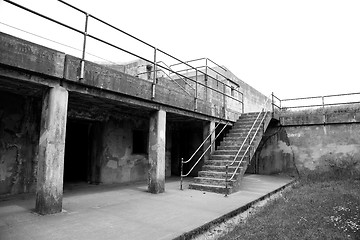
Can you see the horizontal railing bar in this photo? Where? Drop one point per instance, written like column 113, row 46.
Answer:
column 43, row 16
column 320, row 105
column 62, row 44
column 229, row 86
column 72, row 6
column 276, row 105
column 112, row 45
column 167, row 67
column 118, row 29
column 217, row 65
column 200, row 83
column 160, row 70
column 194, row 60
column 325, row 96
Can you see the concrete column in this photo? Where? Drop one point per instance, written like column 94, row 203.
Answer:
column 157, row 152
column 49, row 190
column 207, row 129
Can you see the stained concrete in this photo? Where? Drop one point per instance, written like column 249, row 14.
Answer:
column 49, row 187
column 128, row 212
column 157, row 134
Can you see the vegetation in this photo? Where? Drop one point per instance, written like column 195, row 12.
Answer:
column 315, row 208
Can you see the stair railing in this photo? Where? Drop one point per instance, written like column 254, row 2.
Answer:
column 227, row 178
column 182, row 175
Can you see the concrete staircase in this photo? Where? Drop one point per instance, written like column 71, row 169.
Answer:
column 213, row 174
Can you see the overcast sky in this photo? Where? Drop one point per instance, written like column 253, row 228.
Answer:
column 292, row 48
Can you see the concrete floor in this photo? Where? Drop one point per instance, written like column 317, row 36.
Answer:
column 128, row 212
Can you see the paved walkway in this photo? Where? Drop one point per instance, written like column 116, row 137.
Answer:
column 128, row 212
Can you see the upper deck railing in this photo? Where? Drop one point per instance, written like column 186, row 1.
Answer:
column 158, row 55
column 315, row 101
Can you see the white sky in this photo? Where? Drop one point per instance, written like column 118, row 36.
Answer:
column 292, row 48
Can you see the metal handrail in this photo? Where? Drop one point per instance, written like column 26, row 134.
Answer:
column 242, row 145
column 161, row 62
column 316, row 97
column 160, row 70
column 198, row 59
column 86, row 35
column 197, row 150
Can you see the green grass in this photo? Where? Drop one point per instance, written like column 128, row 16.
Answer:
column 310, row 210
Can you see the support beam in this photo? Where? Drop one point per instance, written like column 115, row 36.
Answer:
column 49, row 190
column 157, row 152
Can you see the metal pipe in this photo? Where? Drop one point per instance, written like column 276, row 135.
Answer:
column 181, row 173
column 205, row 150
column 82, row 63
column 155, row 76
column 226, row 180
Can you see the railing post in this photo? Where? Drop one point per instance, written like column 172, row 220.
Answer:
column 272, row 103
column 155, row 76
column 242, row 102
column 323, row 107
column 82, row 62
column 181, row 173
column 226, row 180
column 224, row 99
column 196, row 88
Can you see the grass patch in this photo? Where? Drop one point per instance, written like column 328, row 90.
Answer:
column 310, row 210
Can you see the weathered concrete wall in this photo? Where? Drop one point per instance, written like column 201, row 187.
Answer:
column 313, row 146
column 253, row 99
column 19, row 136
column 321, row 148
column 118, row 162
column 274, row 154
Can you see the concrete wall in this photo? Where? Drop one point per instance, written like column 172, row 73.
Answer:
column 253, row 99
column 112, row 157
column 19, row 136
column 321, row 148
column 274, row 154
column 314, row 147
column 118, row 162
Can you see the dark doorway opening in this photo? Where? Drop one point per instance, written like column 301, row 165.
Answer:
column 77, row 152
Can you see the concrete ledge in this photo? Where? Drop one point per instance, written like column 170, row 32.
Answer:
column 16, row 52
column 202, row 229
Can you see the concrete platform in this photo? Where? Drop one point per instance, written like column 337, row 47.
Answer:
column 129, row 212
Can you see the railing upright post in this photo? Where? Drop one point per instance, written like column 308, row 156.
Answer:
column 196, row 88
column 224, row 99
column 181, row 173
column 272, row 103
column 226, row 180
column 242, row 102
column 155, row 76
column 82, row 63
column 323, row 108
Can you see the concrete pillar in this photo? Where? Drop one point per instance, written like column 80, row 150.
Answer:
column 157, row 152
column 207, row 129
column 49, row 190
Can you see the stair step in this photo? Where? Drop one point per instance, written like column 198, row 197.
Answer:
column 228, row 147
column 208, row 188
column 224, row 157
column 213, row 174
column 218, row 174
column 219, row 168
column 214, row 162
column 228, row 152
column 212, row 181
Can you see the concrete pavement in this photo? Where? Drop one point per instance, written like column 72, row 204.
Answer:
column 129, row 211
